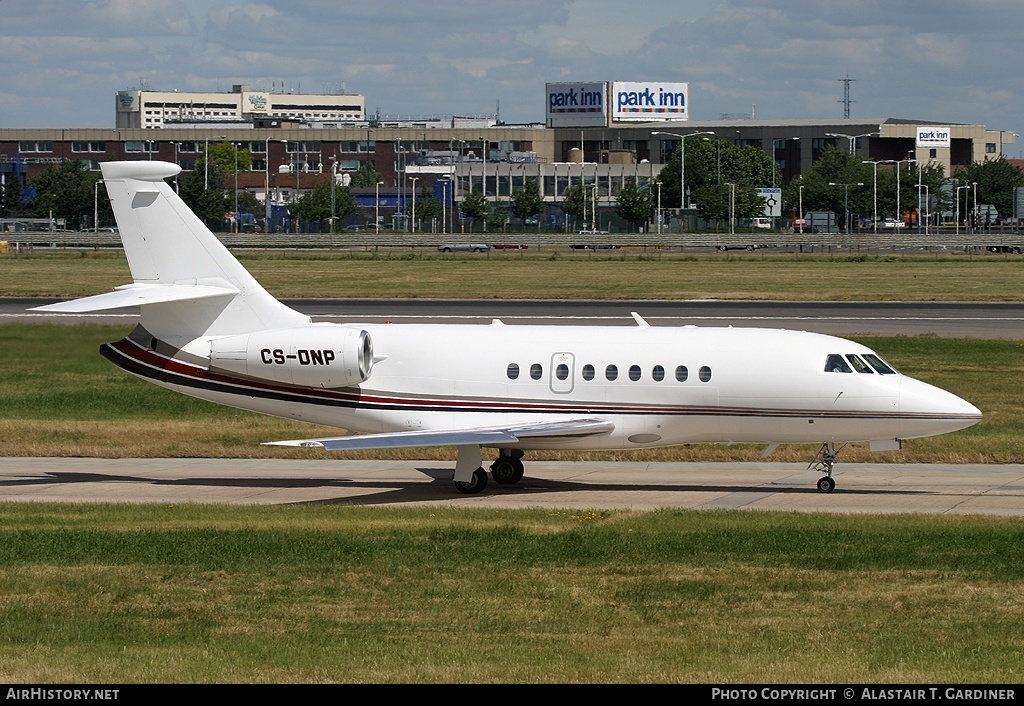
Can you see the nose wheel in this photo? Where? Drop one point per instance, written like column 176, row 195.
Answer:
column 824, row 462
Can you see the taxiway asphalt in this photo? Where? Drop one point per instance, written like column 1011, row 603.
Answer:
column 995, row 490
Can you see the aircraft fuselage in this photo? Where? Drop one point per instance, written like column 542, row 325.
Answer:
column 658, row 386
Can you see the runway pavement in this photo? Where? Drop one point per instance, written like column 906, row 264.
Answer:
column 961, row 319
column 996, row 490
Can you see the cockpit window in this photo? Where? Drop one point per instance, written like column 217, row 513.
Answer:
column 836, row 364
column 859, row 365
column 879, row 364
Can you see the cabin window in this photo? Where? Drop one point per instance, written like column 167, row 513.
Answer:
column 512, row 371
column 836, row 364
column 879, row 364
column 658, row 373
column 634, row 372
column 562, row 371
column 611, row 372
column 682, row 373
column 704, row 373
column 536, row 371
column 859, row 365
column 588, row 372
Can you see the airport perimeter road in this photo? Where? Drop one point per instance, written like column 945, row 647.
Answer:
column 861, row 488
column 973, row 320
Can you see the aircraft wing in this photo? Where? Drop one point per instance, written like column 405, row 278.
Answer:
column 482, row 436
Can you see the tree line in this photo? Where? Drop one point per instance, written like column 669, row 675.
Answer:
column 721, row 180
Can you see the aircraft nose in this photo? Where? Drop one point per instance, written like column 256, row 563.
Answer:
column 926, row 410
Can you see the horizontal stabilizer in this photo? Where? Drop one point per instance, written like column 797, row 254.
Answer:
column 484, row 436
column 137, row 295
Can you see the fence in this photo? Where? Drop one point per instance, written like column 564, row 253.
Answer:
column 369, row 239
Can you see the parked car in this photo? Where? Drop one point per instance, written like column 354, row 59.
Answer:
column 748, row 246
column 1012, row 249
column 464, row 247
column 510, row 246
column 355, row 227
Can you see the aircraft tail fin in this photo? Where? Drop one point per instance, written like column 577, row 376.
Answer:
column 168, row 246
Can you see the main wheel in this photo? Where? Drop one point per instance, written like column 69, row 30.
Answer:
column 474, row 486
column 507, row 470
column 826, row 484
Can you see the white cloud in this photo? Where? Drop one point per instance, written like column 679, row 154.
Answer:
column 941, row 60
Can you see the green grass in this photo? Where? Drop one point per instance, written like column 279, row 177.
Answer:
column 58, row 397
column 631, row 273
column 310, row 594
column 197, row 593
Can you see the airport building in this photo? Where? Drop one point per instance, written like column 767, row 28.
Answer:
column 597, row 134
column 241, row 108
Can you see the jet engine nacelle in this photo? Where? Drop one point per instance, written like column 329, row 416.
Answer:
column 326, row 355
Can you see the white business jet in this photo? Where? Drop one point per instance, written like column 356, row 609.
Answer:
column 208, row 329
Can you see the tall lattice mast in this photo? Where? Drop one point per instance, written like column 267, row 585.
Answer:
column 846, row 95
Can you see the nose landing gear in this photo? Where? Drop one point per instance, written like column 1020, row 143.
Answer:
column 824, row 461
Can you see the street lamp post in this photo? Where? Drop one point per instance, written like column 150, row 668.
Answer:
column 376, row 216
column 334, row 179
column 846, row 201
column 851, row 138
column 593, row 207
column 177, row 184
column 266, row 191
column 206, row 163
column 483, row 152
column 236, row 187
column 800, row 192
column 732, row 207
column 874, row 208
column 658, row 214
column 974, row 220
column 922, row 207
column 682, row 168
column 412, row 225
column 965, row 187
column 909, row 160
column 444, row 206
column 96, row 205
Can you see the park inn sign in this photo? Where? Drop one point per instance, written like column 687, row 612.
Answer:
column 931, row 136
column 599, row 104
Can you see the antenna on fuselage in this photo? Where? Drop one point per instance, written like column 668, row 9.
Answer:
column 639, row 320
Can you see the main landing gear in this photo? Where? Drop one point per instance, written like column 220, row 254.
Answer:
column 507, row 469
column 824, row 462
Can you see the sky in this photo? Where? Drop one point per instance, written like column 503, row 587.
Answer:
column 944, row 61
